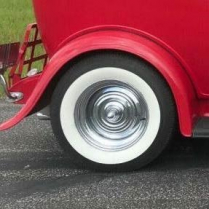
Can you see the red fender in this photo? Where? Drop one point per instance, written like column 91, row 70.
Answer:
column 159, row 56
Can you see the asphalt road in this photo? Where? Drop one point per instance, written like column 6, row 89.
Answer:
column 34, row 173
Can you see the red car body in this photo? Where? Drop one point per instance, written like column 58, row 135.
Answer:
column 170, row 35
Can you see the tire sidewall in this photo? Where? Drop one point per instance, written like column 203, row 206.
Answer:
column 136, row 66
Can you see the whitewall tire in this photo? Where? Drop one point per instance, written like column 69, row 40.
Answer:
column 108, row 112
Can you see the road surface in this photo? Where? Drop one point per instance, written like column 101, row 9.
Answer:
column 34, row 173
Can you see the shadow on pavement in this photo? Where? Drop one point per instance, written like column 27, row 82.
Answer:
column 182, row 154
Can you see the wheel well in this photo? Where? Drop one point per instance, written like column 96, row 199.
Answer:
column 45, row 99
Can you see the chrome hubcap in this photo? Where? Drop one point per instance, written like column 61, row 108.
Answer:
column 111, row 115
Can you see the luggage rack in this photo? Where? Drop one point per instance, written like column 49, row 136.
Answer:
column 19, row 59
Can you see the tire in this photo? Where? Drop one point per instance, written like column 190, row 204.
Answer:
column 112, row 112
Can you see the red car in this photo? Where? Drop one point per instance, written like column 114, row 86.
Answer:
column 120, row 77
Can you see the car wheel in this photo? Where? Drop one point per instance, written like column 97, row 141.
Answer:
column 112, row 111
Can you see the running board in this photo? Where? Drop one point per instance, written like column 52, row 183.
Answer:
column 201, row 129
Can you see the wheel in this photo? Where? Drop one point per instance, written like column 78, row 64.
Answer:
column 112, row 111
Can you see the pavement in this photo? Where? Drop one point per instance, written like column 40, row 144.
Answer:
column 34, row 173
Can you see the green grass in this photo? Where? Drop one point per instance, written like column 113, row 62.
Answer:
column 14, row 17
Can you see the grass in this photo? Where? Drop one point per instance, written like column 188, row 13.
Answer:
column 14, row 17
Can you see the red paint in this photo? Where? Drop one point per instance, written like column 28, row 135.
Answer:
column 171, row 35
column 27, row 56
column 181, row 24
column 26, row 86
column 141, row 46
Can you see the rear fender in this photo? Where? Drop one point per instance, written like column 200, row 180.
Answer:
column 168, row 65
